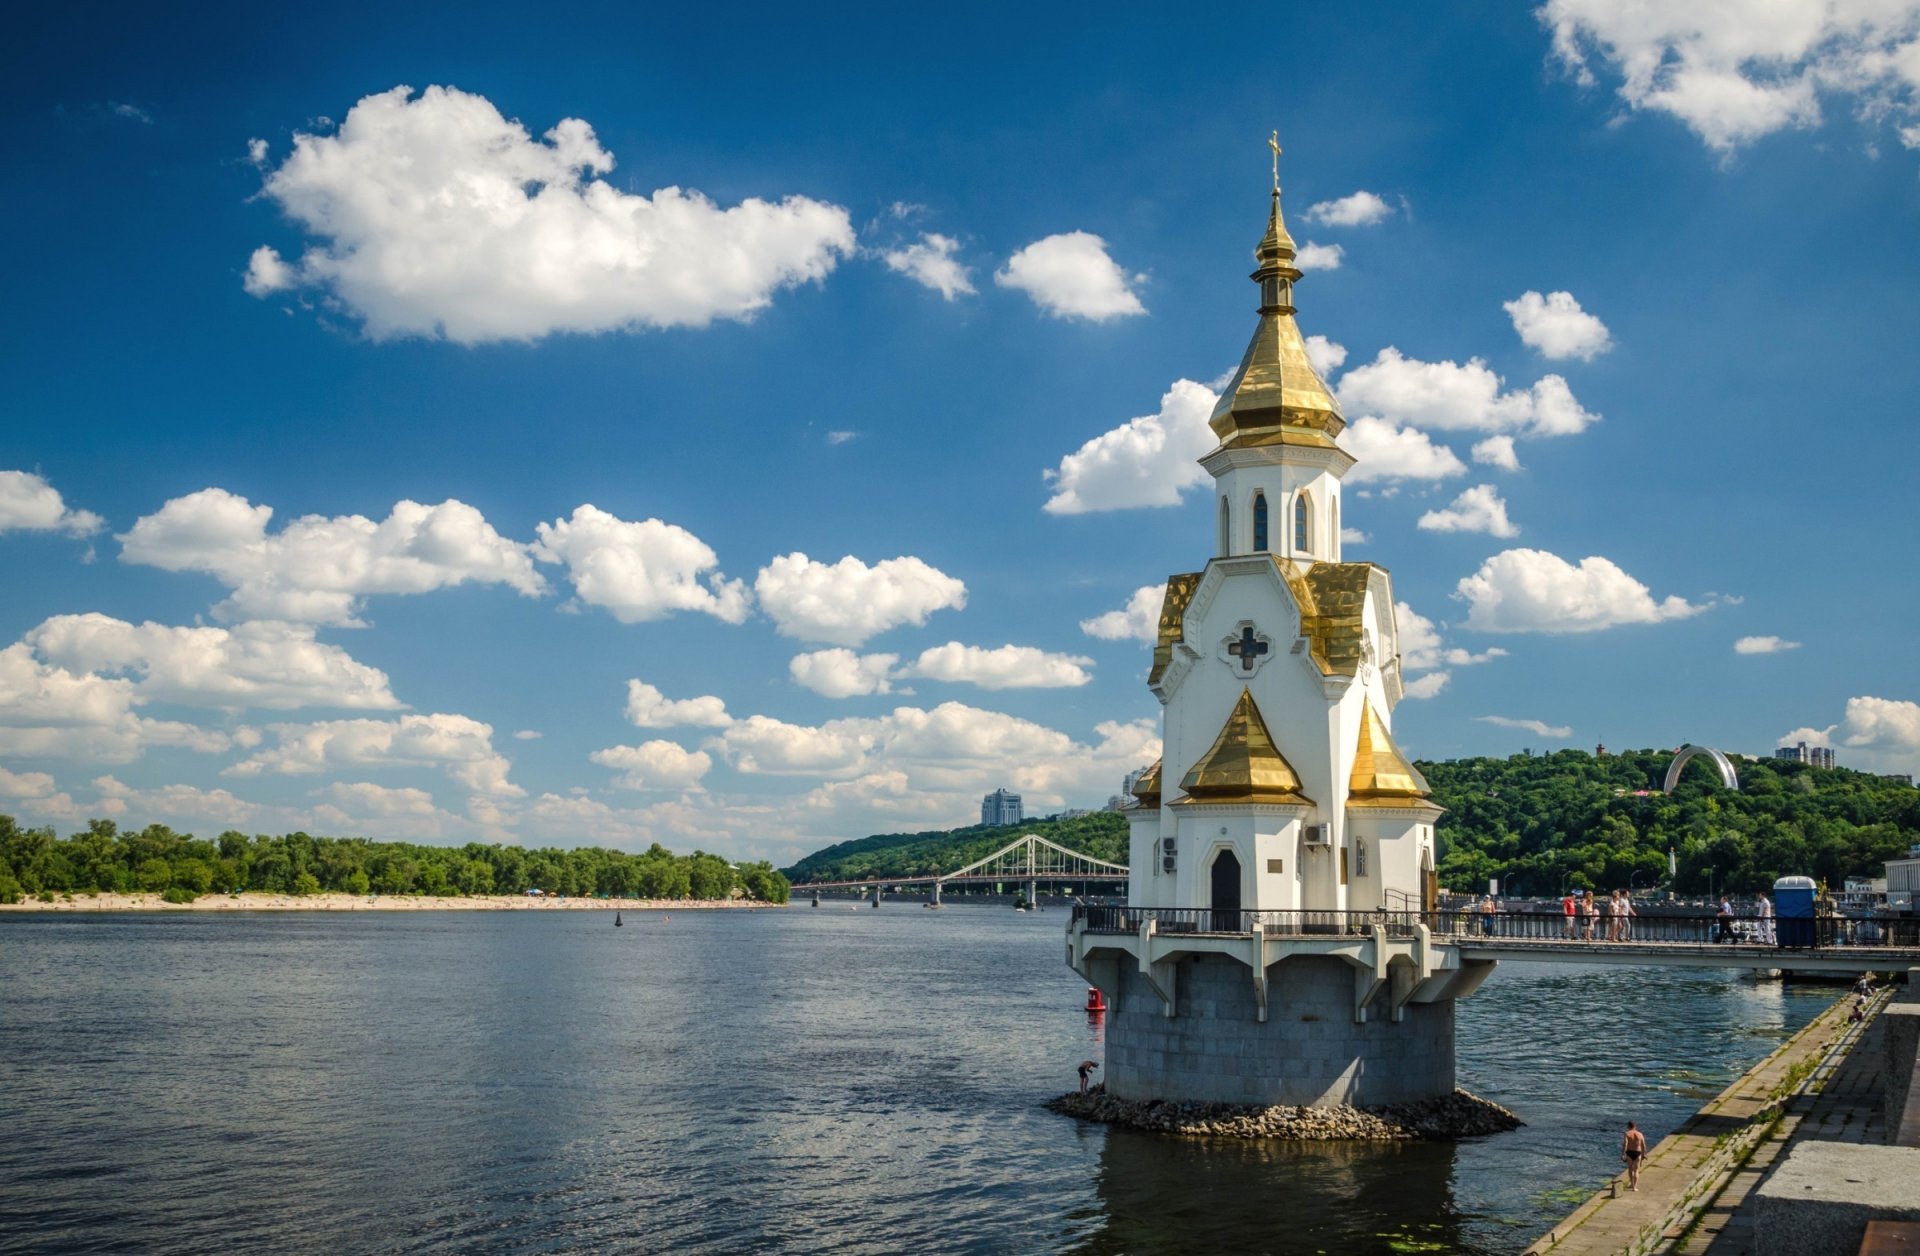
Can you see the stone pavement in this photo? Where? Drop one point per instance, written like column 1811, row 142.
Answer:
column 1696, row 1160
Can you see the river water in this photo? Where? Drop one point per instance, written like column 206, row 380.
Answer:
column 836, row 1078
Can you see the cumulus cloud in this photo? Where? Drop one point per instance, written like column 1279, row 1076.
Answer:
column 1353, row 536
column 1424, row 649
column 841, row 673
column 647, row 707
column 1455, row 397
column 1148, row 461
column 1428, row 686
column 1326, row 355
column 1361, row 209
column 1557, row 327
column 1312, row 257
column 1387, row 451
column 1763, row 645
column 1070, row 276
column 1558, row 732
column 1529, row 590
column 1138, row 620
column 1479, row 509
column 1497, row 451
column 433, row 215
column 929, row 261
column 36, row 794
column 172, row 802
column 845, row 603
column 1007, row 667
column 459, row 746
column 1882, row 734
column 639, row 571
column 320, row 569
column 654, row 765
column 29, row 504
column 264, row 664
column 49, row 711
column 1733, row 72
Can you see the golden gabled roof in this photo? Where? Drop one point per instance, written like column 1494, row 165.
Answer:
column 1243, row 765
column 1276, row 390
column 1382, row 776
column 1147, row 788
column 1333, row 603
column 1173, row 614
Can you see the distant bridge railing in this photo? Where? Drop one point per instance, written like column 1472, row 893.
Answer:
column 1821, row 933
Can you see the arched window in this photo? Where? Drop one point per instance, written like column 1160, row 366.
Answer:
column 1259, row 523
column 1302, row 531
column 1226, row 531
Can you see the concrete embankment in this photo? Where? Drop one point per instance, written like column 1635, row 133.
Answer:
column 1698, row 1185
column 1459, row 1115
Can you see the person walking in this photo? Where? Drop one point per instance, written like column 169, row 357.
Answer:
column 1633, row 1150
column 1487, row 908
column 1725, row 920
column 1569, row 907
column 1626, row 914
column 1609, row 909
column 1765, row 908
column 1587, row 913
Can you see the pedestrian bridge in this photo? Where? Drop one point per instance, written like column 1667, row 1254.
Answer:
column 1828, row 944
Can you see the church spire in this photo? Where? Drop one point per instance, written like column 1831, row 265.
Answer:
column 1276, row 397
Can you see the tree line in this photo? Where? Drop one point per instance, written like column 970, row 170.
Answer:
column 103, row 858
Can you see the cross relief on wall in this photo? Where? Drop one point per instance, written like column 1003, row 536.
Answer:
column 1245, row 649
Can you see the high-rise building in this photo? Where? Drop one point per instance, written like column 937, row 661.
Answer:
column 1801, row 752
column 1000, row 807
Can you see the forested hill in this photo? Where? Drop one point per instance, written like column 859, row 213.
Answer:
column 1103, row 834
column 1536, row 821
column 1533, row 820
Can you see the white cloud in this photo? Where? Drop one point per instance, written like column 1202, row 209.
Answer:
column 1148, row 461
column 1071, row 276
column 364, row 798
column 1138, row 620
column 1423, row 649
column 1008, row 667
column 846, row 602
column 436, row 216
column 655, row 765
column 1497, row 451
column 260, row 664
column 1479, row 509
column 29, row 504
column 1557, row 327
column 1386, row 451
column 1353, row 536
column 841, row 437
column 1312, row 257
column 1453, row 397
column 320, row 569
column 268, row 273
column 1361, row 209
column 1558, row 732
column 647, row 707
column 1737, row 70
column 1428, row 686
column 49, row 711
column 1881, row 734
column 930, row 262
column 131, row 112
column 841, row 673
column 1326, row 355
column 1763, row 645
column 172, row 802
column 527, row 734
column 1529, row 590
column 36, row 794
column 639, row 571
column 460, row 746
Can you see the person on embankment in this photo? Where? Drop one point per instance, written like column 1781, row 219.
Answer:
column 1633, row 1149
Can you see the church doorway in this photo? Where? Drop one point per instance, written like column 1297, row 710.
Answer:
column 1226, row 893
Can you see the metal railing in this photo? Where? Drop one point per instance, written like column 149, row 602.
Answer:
column 1472, row 925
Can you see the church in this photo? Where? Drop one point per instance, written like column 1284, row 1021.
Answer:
column 1282, row 850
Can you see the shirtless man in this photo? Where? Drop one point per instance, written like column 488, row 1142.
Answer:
column 1633, row 1149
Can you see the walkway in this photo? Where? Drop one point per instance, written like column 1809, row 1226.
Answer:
column 1619, row 1221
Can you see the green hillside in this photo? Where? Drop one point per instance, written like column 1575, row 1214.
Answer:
column 1543, row 821
column 1532, row 821
column 1102, row 834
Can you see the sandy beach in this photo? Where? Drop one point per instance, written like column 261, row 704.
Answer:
column 370, row 902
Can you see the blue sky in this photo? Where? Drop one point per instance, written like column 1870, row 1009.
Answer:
column 808, row 500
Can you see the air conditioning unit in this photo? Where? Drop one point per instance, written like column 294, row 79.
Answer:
column 1319, row 835
column 1168, row 845
column 1166, row 863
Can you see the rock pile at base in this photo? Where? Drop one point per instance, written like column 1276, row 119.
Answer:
column 1458, row 1115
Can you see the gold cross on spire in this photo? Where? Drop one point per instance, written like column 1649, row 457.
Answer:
column 1273, row 142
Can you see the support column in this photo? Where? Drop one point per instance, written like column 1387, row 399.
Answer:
column 936, row 893
column 876, row 896
column 1033, row 896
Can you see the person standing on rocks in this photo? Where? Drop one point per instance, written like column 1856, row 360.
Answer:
column 1633, row 1149
column 1086, row 1071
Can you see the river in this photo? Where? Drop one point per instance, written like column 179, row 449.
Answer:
column 836, row 1078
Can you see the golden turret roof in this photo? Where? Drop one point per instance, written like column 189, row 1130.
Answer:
column 1382, row 776
column 1276, row 397
column 1243, row 765
column 1147, row 788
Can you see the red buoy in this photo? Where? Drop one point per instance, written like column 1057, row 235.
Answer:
column 1096, row 1002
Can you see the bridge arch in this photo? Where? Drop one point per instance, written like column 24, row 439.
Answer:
column 1728, row 776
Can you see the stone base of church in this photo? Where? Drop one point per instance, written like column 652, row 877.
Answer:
column 1309, row 1051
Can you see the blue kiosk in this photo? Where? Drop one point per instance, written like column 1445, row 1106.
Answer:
column 1793, row 906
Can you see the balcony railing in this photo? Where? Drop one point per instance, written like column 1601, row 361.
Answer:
column 1471, row 925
